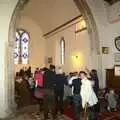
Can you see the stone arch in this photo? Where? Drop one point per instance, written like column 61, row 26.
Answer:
column 92, row 30
column 10, row 47
column 93, row 34
column 91, row 25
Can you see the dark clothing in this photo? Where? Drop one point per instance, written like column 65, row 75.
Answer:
column 49, row 79
column 49, row 102
column 60, row 81
column 22, row 90
column 94, row 77
column 59, row 91
column 77, row 105
column 77, row 101
column 92, row 113
column 76, row 83
column 49, row 92
column 96, row 84
column 28, row 72
column 59, row 101
column 22, row 73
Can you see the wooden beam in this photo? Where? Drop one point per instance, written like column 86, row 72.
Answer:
column 57, row 28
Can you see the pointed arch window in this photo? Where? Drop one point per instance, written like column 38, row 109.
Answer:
column 62, row 51
column 21, row 47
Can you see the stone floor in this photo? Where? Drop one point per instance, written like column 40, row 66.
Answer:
column 31, row 113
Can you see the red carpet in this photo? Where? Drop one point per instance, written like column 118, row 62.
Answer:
column 68, row 111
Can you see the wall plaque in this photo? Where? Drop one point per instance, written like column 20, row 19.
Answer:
column 117, row 57
column 105, row 50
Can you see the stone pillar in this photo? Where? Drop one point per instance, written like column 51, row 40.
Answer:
column 89, row 15
column 6, row 10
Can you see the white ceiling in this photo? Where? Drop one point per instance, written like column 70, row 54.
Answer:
column 49, row 14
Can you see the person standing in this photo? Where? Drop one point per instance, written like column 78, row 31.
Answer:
column 88, row 95
column 75, row 83
column 29, row 72
column 94, row 77
column 38, row 77
column 49, row 91
column 112, row 101
column 61, row 80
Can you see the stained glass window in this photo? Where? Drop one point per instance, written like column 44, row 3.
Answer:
column 21, row 47
column 62, row 51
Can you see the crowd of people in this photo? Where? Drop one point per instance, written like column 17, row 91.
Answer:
column 48, row 86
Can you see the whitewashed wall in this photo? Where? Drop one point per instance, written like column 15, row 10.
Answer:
column 107, row 31
column 75, row 44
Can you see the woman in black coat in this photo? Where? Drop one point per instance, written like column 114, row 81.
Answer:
column 94, row 77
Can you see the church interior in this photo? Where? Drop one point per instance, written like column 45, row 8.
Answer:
column 72, row 35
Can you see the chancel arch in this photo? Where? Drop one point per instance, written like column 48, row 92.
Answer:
column 13, row 25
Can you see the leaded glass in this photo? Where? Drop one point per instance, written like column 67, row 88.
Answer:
column 21, row 47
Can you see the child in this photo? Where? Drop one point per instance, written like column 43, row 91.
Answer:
column 112, row 100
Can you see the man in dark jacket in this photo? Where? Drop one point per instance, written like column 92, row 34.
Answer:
column 49, row 91
column 75, row 83
column 61, row 80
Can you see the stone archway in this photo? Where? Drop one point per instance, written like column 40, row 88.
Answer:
column 92, row 30
column 91, row 25
column 93, row 34
column 9, row 50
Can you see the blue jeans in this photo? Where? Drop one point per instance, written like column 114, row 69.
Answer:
column 77, row 105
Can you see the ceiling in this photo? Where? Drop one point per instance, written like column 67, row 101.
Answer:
column 49, row 14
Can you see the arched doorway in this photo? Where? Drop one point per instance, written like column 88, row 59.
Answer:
column 92, row 29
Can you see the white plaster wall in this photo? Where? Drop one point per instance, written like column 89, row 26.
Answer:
column 113, row 12
column 36, row 43
column 74, row 44
column 6, row 10
column 107, row 32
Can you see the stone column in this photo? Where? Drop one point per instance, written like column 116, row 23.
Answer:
column 16, row 15
column 6, row 10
